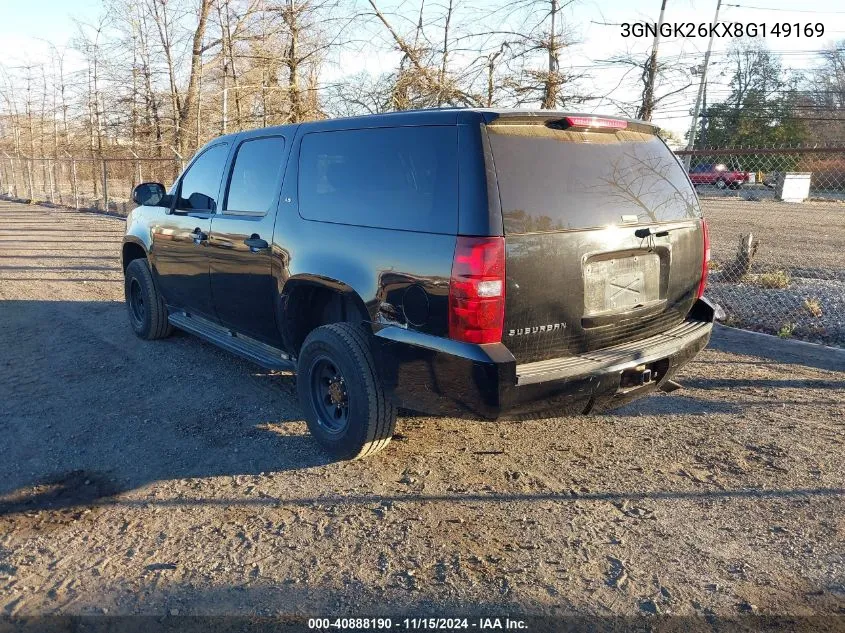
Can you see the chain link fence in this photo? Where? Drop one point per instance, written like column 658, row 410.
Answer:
column 82, row 183
column 777, row 233
column 776, row 219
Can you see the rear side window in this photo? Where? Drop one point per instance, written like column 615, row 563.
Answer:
column 201, row 182
column 396, row 178
column 551, row 179
column 256, row 175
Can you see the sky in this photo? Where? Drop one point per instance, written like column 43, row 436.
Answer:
column 24, row 22
column 28, row 26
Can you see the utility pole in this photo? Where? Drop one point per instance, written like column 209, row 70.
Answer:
column 199, row 98
column 225, row 118
column 701, row 85
column 650, row 73
column 550, row 89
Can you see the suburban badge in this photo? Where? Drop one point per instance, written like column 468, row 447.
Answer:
column 551, row 327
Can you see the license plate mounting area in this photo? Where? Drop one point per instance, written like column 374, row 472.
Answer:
column 617, row 284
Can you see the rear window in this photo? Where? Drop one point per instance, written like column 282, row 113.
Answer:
column 396, row 178
column 551, row 179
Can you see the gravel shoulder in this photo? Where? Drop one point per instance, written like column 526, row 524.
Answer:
column 170, row 477
column 801, row 242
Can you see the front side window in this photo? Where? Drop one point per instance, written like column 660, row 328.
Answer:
column 201, row 182
column 256, row 175
column 396, row 178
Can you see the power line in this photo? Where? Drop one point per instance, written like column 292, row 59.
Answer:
column 758, row 117
column 745, row 6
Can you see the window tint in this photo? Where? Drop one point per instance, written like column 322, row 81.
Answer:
column 202, row 181
column 396, row 178
column 552, row 179
column 256, row 175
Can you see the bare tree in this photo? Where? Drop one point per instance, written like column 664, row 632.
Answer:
column 161, row 77
column 658, row 80
column 423, row 77
column 540, row 32
column 168, row 25
column 649, row 75
column 825, row 98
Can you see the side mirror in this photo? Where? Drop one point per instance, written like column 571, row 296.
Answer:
column 200, row 202
column 148, row 194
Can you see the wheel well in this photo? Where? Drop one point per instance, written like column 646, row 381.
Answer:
column 132, row 251
column 308, row 306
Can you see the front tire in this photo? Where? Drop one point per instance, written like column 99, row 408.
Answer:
column 345, row 406
column 146, row 307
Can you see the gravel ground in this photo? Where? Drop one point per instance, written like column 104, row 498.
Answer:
column 802, row 240
column 809, row 309
column 806, row 237
column 172, row 478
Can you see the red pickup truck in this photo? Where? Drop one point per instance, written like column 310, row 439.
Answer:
column 718, row 175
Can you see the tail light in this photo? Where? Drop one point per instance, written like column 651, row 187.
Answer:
column 593, row 122
column 704, row 265
column 477, row 290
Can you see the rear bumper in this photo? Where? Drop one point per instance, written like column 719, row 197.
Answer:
column 439, row 376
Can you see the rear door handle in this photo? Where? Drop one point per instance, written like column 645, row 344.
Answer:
column 198, row 236
column 255, row 243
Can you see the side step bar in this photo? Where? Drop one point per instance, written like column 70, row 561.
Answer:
column 259, row 353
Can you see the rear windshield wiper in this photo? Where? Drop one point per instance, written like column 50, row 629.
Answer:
column 662, row 231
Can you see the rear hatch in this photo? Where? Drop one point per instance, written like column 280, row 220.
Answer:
column 573, row 197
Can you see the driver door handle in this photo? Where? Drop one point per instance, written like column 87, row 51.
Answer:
column 255, row 243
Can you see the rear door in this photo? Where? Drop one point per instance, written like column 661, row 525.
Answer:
column 241, row 240
column 579, row 279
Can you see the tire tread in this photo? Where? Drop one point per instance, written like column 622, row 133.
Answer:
column 382, row 423
column 159, row 326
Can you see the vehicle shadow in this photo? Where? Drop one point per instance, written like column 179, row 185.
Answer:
column 767, row 383
column 735, row 341
column 674, row 404
column 90, row 411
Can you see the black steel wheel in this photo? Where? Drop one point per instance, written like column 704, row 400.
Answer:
column 145, row 305
column 329, row 395
column 345, row 405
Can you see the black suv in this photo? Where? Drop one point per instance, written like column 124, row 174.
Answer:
column 451, row 261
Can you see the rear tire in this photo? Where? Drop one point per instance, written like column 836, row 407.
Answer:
column 345, row 406
column 146, row 307
column 721, row 184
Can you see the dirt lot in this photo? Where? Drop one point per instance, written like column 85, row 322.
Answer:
column 797, row 283
column 804, row 237
column 172, row 478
